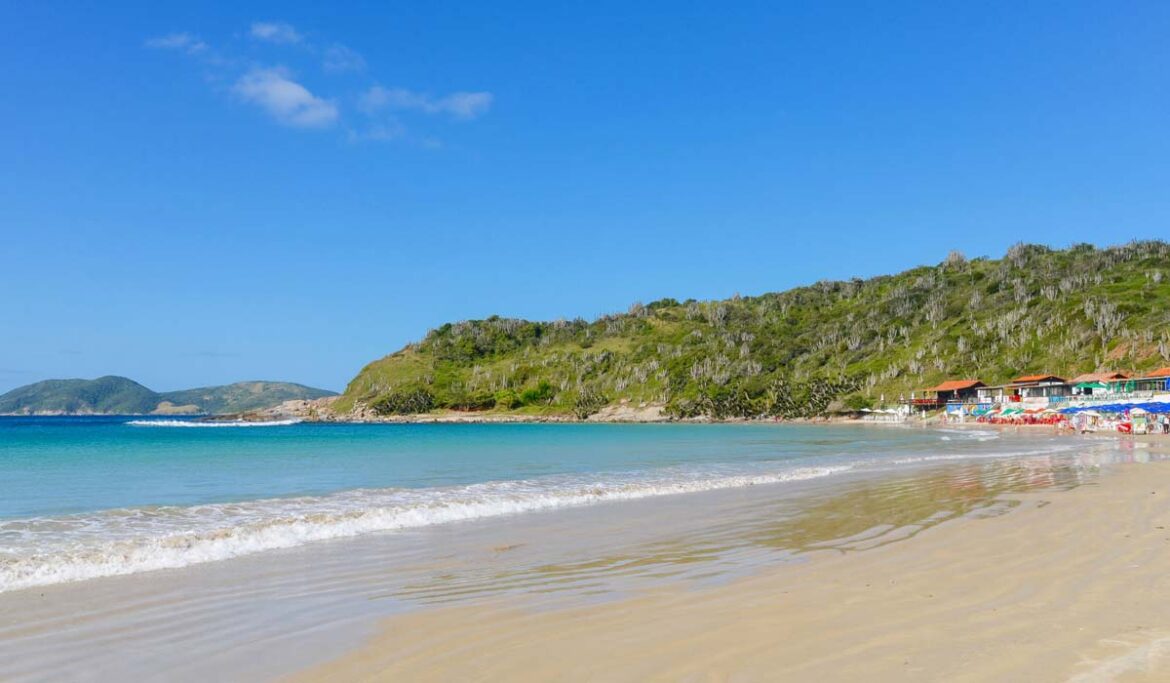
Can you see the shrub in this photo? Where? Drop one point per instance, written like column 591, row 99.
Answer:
column 405, row 402
column 541, row 393
column 477, row 401
column 507, row 399
column 858, row 402
column 588, row 402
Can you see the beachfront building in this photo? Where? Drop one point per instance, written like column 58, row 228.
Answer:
column 1026, row 387
column 986, row 394
column 956, row 391
column 1157, row 381
column 1040, row 392
column 1097, row 383
column 1040, row 386
column 950, row 391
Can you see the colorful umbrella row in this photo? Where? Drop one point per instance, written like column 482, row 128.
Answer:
column 1149, row 406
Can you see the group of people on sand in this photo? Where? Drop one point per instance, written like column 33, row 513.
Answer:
column 1025, row 419
column 1127, row 423
column 1135, row 422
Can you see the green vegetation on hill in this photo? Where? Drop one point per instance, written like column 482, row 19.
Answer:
column 122, row 396
column 242, row 396
column 802, row 351
column 102, row 395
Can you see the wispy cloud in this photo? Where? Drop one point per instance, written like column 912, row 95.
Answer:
column 177, row 41
column 285, row 100
column 461, row 105
column 390, row 131
column 275, row 32
column 289, row 100
column 338, row 57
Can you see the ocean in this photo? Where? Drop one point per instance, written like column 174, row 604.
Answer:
column 163, row 549
column 89, row 497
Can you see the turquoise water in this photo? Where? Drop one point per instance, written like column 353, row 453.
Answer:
column 87, row 497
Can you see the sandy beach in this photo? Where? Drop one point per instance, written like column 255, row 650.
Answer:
column 892, row 553
column 1070, row 585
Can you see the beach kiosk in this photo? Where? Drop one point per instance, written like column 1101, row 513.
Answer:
column 1139, row 418
column 1096, row 383
column 954, row 391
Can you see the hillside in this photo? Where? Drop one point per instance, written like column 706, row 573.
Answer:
column 242, row 396
column 798, row 352
column 102, row 395
column 122, row 396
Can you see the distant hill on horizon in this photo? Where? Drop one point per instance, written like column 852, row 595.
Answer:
column 113, row 395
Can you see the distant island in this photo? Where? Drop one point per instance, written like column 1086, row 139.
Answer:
column 833, row 345
column 114, row 395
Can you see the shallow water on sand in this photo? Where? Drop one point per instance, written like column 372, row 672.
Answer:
column 267, row 613
column 83, row 498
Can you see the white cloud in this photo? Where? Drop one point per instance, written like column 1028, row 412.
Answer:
column 177, row 41
column 281, row 96
column 287, row 101
column 461, row 105
column 275, row 32
column 383, row 132
column 338, row 57
column 466, row 105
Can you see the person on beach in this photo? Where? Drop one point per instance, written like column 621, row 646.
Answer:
column 1166, row 423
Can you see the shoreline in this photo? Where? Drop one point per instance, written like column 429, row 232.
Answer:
column 483, row 418
column 1067, row 586
column 294, row 607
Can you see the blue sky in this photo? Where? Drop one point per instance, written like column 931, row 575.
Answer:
column 225, row 191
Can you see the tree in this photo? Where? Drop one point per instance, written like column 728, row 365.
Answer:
column 588, row 402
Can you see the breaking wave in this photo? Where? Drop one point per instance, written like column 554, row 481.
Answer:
column 193, row 423
column 43, row 551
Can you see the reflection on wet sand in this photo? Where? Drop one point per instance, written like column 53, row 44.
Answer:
column 279, row 607
column 754, row 530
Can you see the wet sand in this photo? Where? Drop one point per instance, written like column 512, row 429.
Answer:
column 272, row 614
column 1071, row 585
column 829, row 576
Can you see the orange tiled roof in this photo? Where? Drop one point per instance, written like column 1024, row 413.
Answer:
column 1035, row 378
column 1099, row 377
column 1160, row 372
column 956, row 385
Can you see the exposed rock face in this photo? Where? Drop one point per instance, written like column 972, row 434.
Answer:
column 626, row 411
column 168, row 408
column 317, row 410
column 322, row 410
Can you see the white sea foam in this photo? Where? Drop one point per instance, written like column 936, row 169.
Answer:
column 1048, row 450
column 44, row 551
column 193, row 423
column 968, row 434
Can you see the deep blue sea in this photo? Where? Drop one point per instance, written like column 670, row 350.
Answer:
column 84, row 497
